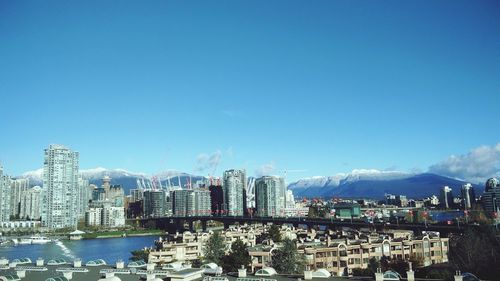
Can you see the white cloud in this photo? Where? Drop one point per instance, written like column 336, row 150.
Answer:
column 265, row 170
column 208, row 162
column 476, row 166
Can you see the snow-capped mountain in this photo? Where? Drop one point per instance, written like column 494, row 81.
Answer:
column 127, row 179
column 374, row 184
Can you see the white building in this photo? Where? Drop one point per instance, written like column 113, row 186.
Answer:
column 60, row 182
column 234, row 183
column 17, row 188
column 4, row 196
column 289, row 199
column 93, row 217
column 270, row 196
column 113, row 216
column 31, row 203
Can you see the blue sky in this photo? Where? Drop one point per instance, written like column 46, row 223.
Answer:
column 320, row 86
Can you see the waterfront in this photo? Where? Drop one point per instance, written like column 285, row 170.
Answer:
column 110, row 249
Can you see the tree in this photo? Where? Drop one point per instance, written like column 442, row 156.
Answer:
column 286, row 259
column 238, row 257
column 138, row 255
column 215, row 249
column 196, row 263
column 373, row 264
column 275, row 233
column 476, row 251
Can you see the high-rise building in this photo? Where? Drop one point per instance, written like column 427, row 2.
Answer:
column 4, row 196
column 107, row 203
column 468, row 196
column 191, row 202
column 289, row 200
column 234, row 182
column 446, row 198
column 136, row 194
column 85, row 191
column 217, row 199
column 154, row 203
column 270, row 196
column 60, row 183
column 31, row 204
column 491, row 197
column 17, row 188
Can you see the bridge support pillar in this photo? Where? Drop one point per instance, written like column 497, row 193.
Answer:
column 191, row 228
column 204, row 225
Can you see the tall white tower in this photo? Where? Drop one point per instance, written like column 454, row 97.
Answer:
column 4, row 196
column 60, row 184
column 235, row 182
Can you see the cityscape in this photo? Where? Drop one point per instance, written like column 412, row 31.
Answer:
column 169, row 140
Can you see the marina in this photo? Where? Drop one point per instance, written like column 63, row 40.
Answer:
column 113, row 249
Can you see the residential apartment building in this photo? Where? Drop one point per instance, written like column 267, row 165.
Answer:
column 270, row 192
column 60, row 182
column 31, row 204
column 4, row 197
column 234, row 182
column 17, row 189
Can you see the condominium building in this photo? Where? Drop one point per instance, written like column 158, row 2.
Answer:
column 31, row 204
column 216, row 199
column 234, row 182
column 446, row 198
column 60, row 182
column 340, row 256
column 17, row 188
column 154, row 203
column 191, row 202
column 85, row 191
column 270, row 196
column 468, row 195
column 4, row 196
column 491, row 197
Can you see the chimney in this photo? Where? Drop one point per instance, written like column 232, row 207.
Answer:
column 120, row 264
column 77, row 263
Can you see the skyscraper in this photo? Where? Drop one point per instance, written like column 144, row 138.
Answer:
column 234, row 182
column 446, row 198
column 491, row 196
column 270, row 196
column 17, row 189
column 31, row 203
column 217, row 199
column 4, row 196
column 60, row 183
column 85, row 191
column 154, row 203
column 468, row 196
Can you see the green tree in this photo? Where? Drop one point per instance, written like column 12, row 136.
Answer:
column 476, row 251
column 286, row 259
column 237, row 258
column 140, row 255
column 275, row 233
column 373, row 264
column 196, row 263
column 214, row 250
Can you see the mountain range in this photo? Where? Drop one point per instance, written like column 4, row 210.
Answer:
column 357, row 184
column 375, row 184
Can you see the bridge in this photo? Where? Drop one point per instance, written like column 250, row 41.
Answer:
column 176, row 223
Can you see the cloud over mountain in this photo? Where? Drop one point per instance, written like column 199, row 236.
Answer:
column 208, row 162
column 477, row 165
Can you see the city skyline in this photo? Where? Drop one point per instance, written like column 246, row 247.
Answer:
column 266, row 86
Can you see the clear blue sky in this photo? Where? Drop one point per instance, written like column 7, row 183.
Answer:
column 325, row 86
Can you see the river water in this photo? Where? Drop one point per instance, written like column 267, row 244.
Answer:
column 109, row 249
